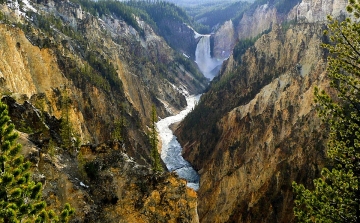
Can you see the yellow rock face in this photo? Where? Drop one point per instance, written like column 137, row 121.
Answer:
column 121, row 190
column 271, row 139
column 26, row 69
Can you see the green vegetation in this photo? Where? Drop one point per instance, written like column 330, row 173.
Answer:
column 241, row 47
column 119, row 126
column 164, row 11
column 20, row 197
column 221, row 13
column 107, row 71
column 284, row 6
column 152, row 12
column 244, row 44
column 196, row 8
column 336, row 194
column 108, row 7
column 97, row 71
column 49, row 24
column 213, row 13
column 66, row 131
column 89, row 74
column 189, row 66
column 154, row 142
column 92, row 169
column 24, row 127
column 2, row 16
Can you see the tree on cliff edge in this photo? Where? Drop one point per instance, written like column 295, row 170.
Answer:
column 20, row 197
column 156, row 162
column 335, row 197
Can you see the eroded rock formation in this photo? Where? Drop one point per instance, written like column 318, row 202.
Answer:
column 224, row 40
column 104, row 184
column 57, row 60
column 256, row 130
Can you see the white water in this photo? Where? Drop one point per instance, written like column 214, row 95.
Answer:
column 171, row 148
column 207, row 65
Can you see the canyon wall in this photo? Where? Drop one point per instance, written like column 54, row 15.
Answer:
column 317, row 11
column 40, row 64
column 256, row 130
column 57, row 61
column 224, row 40
column 260, row 18
column 266, row 136
column 252, row 24
column 104, row 184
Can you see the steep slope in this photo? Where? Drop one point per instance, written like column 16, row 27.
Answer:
column 105, row 185
column 265, row 136
column 249, row 23
column 256, row 130
column 258, row 19
column 215, row 14
column 101, row 64
column 172, row 23
column 71, row 78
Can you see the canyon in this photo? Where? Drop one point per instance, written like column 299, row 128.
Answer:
column 256, row 130
column 102, row 74
column 252, row 133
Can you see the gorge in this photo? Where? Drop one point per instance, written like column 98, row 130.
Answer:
column 96, row 68
column 256, row 129
column 171, row 150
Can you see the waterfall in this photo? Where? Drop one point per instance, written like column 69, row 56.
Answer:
column 208, row 66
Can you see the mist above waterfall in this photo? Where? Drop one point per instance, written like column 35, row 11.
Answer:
column 208, row 66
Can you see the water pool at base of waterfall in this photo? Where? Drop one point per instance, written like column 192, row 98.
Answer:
column 171, row 148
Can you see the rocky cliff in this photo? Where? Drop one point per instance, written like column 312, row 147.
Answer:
column 224, row 40
column 104, row 184
column 256, row 20
column 259, row 18
column 59, row 62
column 252, row 24
column 101, row 64
column 179, row 36
column 265, row 136
column 317, row 11
column 256, row 129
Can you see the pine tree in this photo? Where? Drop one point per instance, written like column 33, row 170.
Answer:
column 336, row 194
column 119, row 126
column 66, row 128
column 20, row 197
column 156, row 162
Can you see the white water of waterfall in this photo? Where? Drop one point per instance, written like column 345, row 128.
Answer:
column 208, row 66
column 171, row 148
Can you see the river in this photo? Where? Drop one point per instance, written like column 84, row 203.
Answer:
column 171, row 148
